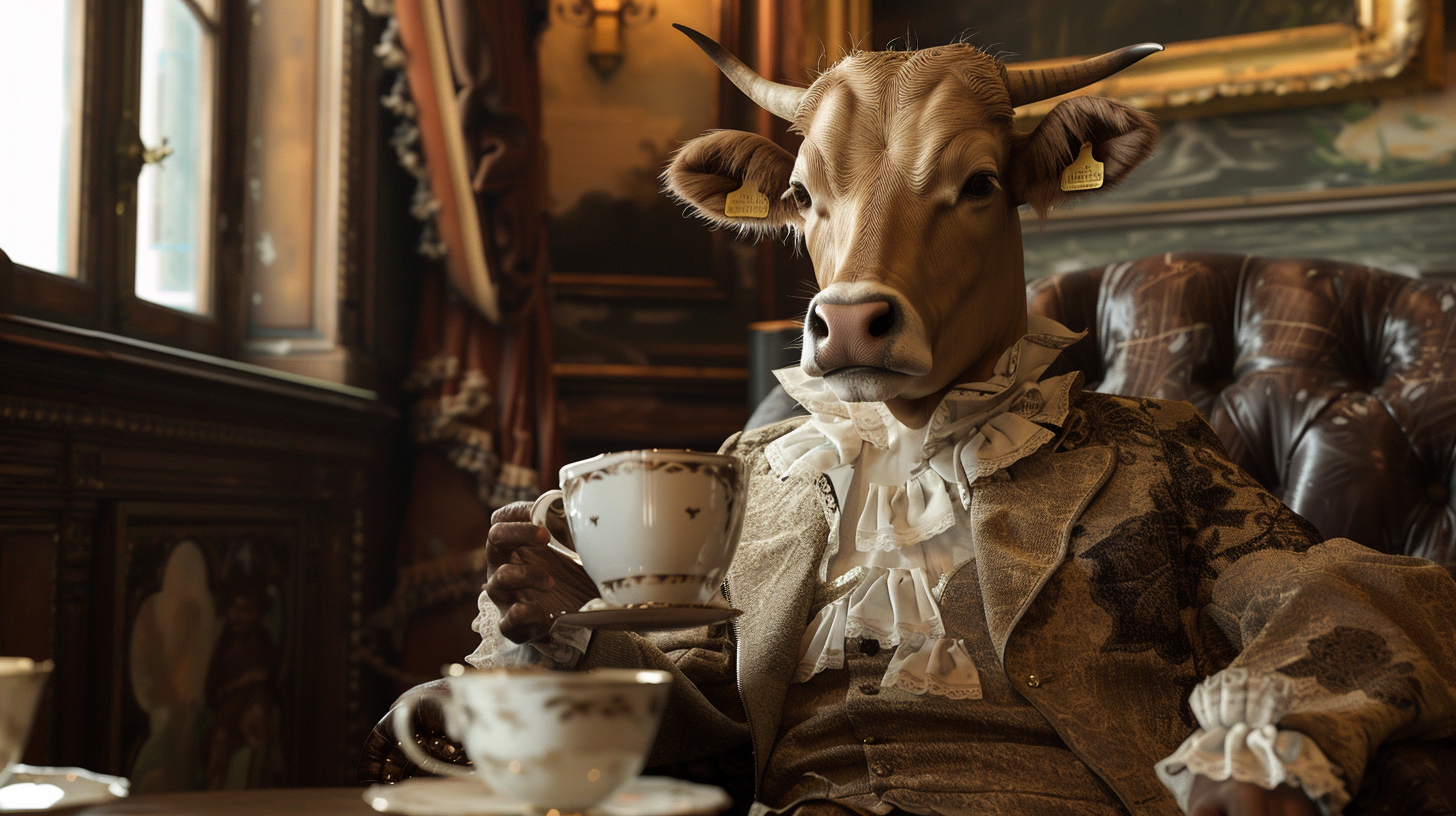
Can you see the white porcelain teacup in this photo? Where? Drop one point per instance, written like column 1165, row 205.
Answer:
column 563, row 740
column 21, row 682
column 652, row 526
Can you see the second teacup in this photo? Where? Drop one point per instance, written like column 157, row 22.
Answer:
column 562, row 740
column 653, row 526
column 21, row 682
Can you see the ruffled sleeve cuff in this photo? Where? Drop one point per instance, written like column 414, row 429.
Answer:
column 561, row 651
column 1239, row 739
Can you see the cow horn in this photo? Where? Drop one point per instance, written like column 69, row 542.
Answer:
column 780, row 100
column 1035, row 84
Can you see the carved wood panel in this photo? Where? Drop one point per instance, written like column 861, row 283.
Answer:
column 194, row 546
column 207, row 616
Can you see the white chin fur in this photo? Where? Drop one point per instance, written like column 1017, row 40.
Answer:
column 866, row 384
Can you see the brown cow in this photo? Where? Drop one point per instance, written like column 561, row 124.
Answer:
column 906, row 192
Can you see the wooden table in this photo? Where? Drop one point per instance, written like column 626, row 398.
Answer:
column 261, row 802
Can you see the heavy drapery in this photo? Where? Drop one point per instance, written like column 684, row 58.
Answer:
column 484, row 419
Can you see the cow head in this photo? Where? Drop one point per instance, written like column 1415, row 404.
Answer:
column 906, row 191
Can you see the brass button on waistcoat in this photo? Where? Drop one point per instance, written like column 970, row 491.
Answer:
column 881, row 769
column 1033, row 681
column 868, row 688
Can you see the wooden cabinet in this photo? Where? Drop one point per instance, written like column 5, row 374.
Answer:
column 194, row 542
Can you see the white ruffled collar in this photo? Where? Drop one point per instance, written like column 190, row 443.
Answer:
column 977, row 430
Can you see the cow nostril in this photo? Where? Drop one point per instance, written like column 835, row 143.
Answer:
column 817, row 327
column 881, row 325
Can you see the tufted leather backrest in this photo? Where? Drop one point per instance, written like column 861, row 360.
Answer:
column 1332, row 384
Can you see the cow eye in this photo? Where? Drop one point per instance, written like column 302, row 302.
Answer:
column 801, row 195
column 979, row 185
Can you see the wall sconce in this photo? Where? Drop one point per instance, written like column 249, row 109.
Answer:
column 607, row 19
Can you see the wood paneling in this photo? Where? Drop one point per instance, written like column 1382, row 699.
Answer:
column 617, row 407
column 273, row 494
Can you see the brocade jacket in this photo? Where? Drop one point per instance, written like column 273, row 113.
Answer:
column 1119, row 565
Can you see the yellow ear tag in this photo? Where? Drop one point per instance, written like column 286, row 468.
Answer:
column 1084, row 173
column 746, row 202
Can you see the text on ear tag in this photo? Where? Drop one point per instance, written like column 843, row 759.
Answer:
column 746, row 202
column 1084, row 173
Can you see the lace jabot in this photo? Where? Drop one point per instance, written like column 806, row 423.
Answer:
column 906, row 490
column 896, row 607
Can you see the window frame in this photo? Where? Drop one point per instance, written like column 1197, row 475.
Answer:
column 101, row 295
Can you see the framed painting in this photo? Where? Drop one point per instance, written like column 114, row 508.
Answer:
column 1268, row 108
column 1220, row 58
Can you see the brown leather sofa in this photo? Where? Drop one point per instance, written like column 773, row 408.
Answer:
column 1333, row 384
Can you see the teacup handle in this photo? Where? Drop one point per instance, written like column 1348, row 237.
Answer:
column 404, row 734
column 539, row 509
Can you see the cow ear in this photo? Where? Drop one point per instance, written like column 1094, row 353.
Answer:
column 1121, row 138
column 705, row 170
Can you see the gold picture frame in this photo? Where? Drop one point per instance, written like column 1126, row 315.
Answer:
column 1394, row 50
column 1393, row 46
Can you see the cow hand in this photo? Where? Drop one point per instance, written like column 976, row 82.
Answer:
column 1234, row 798
column 528, row 581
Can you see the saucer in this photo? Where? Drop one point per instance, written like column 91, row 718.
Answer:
column 643, row 796
column 33, row 789
column 649, row 617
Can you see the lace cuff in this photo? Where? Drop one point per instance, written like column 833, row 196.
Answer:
column 1239, row 740
column 562, row 651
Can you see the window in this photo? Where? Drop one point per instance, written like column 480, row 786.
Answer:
column 119, row 193
column 174, row 213
column 39, row 162
column 178, row 171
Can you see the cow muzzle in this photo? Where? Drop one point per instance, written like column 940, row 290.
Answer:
column 864, row 341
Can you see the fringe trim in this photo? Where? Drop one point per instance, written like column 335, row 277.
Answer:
column 514, row 483
column 437, row 370
column 406, row 137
